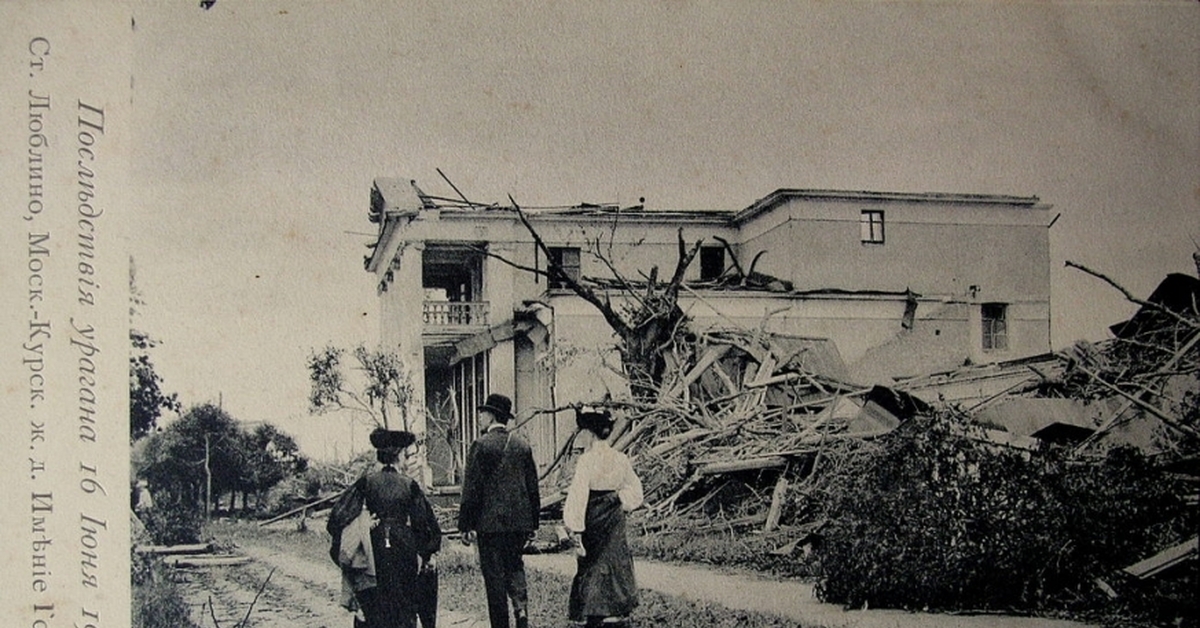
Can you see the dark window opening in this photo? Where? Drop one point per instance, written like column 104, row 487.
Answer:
column 712, row 262
column 995, row 326
column 566, row 258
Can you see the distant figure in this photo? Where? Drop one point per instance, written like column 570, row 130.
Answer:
column 500, row 505
column 385, row 536
column 602, row 490
column 142, row 500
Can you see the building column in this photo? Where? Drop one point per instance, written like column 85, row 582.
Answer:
column 498, row 290
column 404, row 335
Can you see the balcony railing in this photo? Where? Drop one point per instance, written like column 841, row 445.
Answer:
column 455, row 313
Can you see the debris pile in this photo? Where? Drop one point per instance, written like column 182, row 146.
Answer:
column 740, row 424
column 748, row 425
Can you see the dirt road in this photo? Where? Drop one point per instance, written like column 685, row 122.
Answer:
column 301, row 593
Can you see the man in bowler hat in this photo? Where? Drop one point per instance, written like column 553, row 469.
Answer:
column 499, row 510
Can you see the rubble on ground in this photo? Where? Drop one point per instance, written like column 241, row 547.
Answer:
column 747, row 423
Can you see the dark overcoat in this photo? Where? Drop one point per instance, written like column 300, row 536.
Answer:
column 500, row 489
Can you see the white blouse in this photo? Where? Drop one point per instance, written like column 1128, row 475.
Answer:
column 600, row 468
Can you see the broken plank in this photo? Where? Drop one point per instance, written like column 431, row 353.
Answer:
column 776, row 509
column 769, row 462
column 206, row 561
column 303, row 508
column 164, row 550
column 1164, row 560
column 674, row 442
column 710, row 356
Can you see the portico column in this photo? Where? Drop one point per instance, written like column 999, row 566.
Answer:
column 498, row 290
column 404, row 335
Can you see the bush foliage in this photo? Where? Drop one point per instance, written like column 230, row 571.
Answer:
column 156, row 601
column 176, row 524
column 931, row 518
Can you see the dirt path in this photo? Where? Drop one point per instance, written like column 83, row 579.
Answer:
column 301, row 593
column 304, row 593
column 791, row 599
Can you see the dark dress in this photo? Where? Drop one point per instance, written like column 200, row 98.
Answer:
column 604, row 585
column 407, row 528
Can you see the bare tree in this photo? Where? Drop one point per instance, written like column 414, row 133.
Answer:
column 646, row 316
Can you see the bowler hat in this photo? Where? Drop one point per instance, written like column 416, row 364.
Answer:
column 498, row 405
column 391, row 439
column 593, row 419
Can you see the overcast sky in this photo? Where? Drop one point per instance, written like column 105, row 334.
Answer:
column 262, row 124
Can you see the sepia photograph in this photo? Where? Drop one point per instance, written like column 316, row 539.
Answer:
column 672, row 313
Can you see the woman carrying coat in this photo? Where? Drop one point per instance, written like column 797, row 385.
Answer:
column 403, row 536
column 602, row 490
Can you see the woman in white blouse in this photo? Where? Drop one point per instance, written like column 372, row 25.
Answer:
column 602, row 490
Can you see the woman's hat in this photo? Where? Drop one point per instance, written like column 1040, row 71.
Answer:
column 593, row 419
column 498, row 405
column 392, row 439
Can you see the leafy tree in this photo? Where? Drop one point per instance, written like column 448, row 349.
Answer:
column 203, row 445
column 271, row 456
column 382, row 383
column 147, row 401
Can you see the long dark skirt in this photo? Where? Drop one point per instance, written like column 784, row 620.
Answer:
column 393, row 603
column 604, row 585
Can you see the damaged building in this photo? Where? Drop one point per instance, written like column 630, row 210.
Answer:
column 872, row 287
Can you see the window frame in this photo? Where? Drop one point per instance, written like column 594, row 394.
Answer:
column 871, row 226
column 556, row 257
column 994, row 326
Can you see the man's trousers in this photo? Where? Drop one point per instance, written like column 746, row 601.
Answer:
column 504, row 576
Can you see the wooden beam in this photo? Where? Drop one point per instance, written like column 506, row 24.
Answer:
column 205, row 561
column 710, row 356
column 776, row 509
column 164, row 550
column 751, row 464
column 304, row 507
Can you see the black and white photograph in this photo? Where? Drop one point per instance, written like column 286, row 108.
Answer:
column 503, row 314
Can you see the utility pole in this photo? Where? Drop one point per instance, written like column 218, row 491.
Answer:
column 207, row 481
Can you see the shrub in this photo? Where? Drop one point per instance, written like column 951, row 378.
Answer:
column 724, row 548
column 933, row 519
column 156, row 601
column 173, row 524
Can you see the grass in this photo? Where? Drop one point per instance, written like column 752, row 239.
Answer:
column 461, row 585
column 156, row 600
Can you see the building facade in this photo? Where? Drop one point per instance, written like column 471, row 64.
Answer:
column 902, row 284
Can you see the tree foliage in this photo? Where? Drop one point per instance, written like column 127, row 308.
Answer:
column 377, row 383
column 931, row 518
column 206, row 440
column 147, row 401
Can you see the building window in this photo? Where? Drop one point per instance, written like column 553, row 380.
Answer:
column 871, row 225
column 566, row 258
column 712, row 262
column 995, row 326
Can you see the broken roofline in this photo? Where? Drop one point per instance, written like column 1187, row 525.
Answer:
column 783, row 195
column 385, row 189
column 395, row 199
